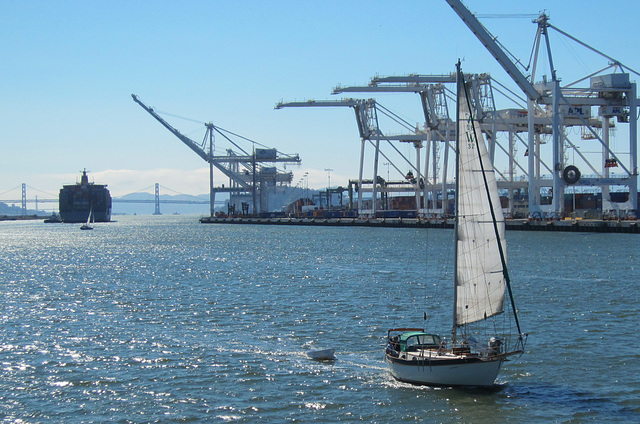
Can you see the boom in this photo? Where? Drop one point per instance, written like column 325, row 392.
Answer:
column 192, row 144
column 186, row 140
column 494, row 48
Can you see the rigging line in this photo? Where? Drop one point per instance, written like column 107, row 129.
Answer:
column 514, row 59
column 216, row 127
column 176, row 116
column 591, row 48
column 385, row 156
column 588, row 76
column 219, row 129
column 515, row 101
column 400, row 153
column 386, row 111
column 229, row 139
column 526, row 145
column 533, row 49
column 508, row 16
column 393, row 117
column 518, row 99
column 493, row 215
column 572, row 50
column 512, row 158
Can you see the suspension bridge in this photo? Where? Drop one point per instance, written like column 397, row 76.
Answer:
column 10, row 197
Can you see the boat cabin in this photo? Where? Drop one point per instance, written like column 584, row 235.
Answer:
column 415, row 340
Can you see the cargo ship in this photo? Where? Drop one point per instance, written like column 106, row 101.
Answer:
column 76, row 201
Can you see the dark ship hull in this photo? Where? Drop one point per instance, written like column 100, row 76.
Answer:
column 77, row 200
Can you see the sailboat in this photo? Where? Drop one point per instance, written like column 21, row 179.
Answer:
column 481, row 279
column 86, row 225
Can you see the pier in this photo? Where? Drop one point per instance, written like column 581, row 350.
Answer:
column 567, row 225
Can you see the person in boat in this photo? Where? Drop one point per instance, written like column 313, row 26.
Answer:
column 393, row 347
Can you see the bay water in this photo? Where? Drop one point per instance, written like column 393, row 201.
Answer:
column 164, row 319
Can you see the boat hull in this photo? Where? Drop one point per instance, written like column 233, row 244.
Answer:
column 76, row 201
column 322, row 355
column 459, row 371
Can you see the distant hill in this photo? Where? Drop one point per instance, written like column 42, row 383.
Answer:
column 17, row 210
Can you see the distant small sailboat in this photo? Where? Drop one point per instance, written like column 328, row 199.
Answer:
column 87, row 225
column 474, row 356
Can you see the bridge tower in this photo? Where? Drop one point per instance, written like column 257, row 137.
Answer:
column 24, row 199
column 157, row 198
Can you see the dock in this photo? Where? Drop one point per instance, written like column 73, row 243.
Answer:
column 567, row 225
column 21, row 217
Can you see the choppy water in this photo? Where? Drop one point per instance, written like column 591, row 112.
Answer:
column 163, row 319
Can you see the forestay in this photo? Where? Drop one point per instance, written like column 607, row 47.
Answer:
column 480, row 285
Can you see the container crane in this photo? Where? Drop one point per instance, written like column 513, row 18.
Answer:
column 434, row 97
column 438, row 123
column 366, row 112
column 254, row 173
column 613, row 94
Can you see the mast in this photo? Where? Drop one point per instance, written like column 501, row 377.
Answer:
column 454, row 330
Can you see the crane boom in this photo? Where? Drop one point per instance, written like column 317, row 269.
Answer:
column 494, row 48
column 186, row 140
column 190, row 143
column 320, row 103
column 416, row 79
column 361, row 107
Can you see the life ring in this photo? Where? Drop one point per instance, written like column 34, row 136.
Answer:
column 571, row 174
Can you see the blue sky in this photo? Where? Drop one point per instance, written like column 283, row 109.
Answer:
column 69, row 69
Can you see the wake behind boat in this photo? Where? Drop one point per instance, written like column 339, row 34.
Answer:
column 480, row 277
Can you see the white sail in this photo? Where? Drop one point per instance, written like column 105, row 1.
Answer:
column 480, row 285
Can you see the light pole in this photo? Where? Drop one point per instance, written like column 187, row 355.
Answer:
column 328, row 187
column 387, row 164
column 306, row 197
column 301, row 187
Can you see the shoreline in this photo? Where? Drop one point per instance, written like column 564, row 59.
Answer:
column 568, row 225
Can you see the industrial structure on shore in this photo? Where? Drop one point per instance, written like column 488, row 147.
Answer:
column 531, row 138
column 253, row 186
column 543, row 173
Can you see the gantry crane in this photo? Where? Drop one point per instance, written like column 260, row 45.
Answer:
column 366, row 111
column 439, row 126
column 613, row 94
column 245, row 170
column 434, row 97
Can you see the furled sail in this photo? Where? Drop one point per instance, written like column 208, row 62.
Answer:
column 480, row 284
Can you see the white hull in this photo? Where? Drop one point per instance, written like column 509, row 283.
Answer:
column 322, row 355
column 446, row 372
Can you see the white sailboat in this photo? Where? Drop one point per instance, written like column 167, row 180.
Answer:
column 87, row 225
column 481, row 279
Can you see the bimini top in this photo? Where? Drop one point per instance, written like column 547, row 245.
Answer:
column 413, row 340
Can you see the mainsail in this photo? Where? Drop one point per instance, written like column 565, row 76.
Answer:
column 480, row 282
